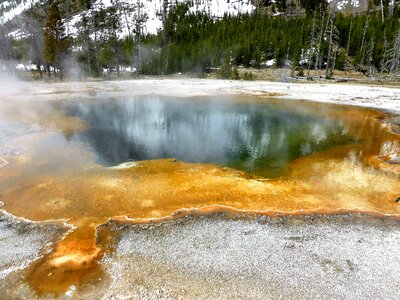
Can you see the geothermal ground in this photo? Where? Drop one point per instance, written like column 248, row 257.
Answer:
column 251, row 252
column 224, row 257
column 387, row 98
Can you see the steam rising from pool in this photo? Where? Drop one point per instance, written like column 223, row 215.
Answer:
column 51, row 174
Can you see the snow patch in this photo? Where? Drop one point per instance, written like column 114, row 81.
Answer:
column 153, row 8
column 11, row 10
column 268, row 63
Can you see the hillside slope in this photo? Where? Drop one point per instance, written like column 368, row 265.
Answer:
column 11, row 9
column 214, row 8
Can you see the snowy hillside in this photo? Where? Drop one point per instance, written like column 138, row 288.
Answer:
column 9, row 9
column 12, row 8
column 216, row 8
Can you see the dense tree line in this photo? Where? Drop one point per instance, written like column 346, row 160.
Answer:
column 310, row 35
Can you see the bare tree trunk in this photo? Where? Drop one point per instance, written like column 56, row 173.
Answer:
column 127, row 24
column 331, row 18
column 88, row 40
column 391, row 7
column 370, row 54
column 39, row 68
column 318, row 61
column 139, row 33
column 312, row 45
column 395, row 57
column 99, row 67
column 363, row 39
column 348, row 42
column 335, row 52
column 383, row 62
column 88, row 61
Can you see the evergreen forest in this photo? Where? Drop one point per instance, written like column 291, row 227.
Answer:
column 303, row 36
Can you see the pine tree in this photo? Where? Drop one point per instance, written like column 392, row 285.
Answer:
column 32, row 26
column 55, row 42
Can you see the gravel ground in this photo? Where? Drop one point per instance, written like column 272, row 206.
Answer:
column 338, row 257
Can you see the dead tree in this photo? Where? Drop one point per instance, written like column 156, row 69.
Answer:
column 394, row 55
column 310, row 53
column 347, row 62
column 362, row 49
column 370, row 55
column 391, row 7
column 125, row 10
column 139, row 20
column 333, row 37
column 383, row 62
column 318, row 58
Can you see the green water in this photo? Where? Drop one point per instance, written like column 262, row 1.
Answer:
column 261, row 138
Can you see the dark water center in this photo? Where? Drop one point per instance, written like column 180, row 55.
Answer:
column 252, row 136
